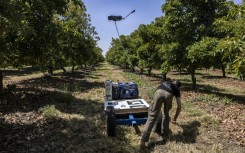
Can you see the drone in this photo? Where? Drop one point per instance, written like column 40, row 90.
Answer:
column 116, row 18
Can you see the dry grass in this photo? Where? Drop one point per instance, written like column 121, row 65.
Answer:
column 65, row 114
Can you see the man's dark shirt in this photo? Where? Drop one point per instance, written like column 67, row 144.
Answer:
column 170, row 87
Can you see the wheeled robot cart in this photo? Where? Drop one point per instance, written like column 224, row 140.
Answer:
column 131, row 112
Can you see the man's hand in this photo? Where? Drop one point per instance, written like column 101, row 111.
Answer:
column 173, row 120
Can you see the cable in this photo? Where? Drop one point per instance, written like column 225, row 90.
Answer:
column 117, row 29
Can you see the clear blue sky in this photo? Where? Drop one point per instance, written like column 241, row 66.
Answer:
column 99, row 10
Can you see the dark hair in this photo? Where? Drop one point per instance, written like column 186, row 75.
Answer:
column 177, row 83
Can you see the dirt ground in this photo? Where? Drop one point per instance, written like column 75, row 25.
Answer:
column 65, row 113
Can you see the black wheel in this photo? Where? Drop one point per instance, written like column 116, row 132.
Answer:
column 111, row 121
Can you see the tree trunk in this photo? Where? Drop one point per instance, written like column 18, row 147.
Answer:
column 149, row 71
column 141, row 70
column 193, row 78
column 64, row 70
column 133, row 69
column 72, row 69
column 50, row 70
column 1, row 84
column 223, row 70
column 164, row 76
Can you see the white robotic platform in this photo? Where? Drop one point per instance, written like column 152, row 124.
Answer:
column 125, row 106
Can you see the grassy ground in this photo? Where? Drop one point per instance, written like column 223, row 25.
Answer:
column 65, row 113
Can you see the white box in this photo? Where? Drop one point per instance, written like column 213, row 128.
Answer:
column 126, row 106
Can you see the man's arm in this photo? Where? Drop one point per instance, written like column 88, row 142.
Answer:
column 177, row 110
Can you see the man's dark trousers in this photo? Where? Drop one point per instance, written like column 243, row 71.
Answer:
column 160, row 97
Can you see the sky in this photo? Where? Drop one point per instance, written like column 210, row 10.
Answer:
column 145, row 12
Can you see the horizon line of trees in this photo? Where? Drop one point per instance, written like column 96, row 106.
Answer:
column 47, row 34
column 190, row 35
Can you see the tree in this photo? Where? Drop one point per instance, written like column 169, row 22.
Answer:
column 230, row 31
column 45, row 34
column 149, row 52
column 200, row 53
column 10, row 22
column 115, row 53
column 188, row 22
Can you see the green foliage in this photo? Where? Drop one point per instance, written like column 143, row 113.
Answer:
column 49, row 111
column 200, row 53
column 239, row 67
column 190, row 35
column 230, row 29
column 138, row 49
column 149, row 51
column 47, row 34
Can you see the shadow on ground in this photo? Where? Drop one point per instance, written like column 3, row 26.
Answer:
column 57, row 135
column 31, row 94
column 20, row 72
column 81, row 129
column 189, row 134
column 210, row 89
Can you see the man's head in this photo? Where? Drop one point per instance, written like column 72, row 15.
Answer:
column 177, row 83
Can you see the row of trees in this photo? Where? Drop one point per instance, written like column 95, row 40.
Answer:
column 190, row 35
column 46, row 34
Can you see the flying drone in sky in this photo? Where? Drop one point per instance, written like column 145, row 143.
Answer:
column 116, row 18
